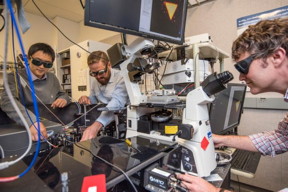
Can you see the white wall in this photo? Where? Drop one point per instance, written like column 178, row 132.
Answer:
column 70, row 29
column 95, row 34
column 218, row 18
column 40, row 31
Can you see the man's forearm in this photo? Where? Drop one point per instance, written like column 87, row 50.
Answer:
column 239, row 142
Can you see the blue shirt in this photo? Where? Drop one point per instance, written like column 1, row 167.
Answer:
column 113, row 94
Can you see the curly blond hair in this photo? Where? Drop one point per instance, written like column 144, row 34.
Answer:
column 262, row 39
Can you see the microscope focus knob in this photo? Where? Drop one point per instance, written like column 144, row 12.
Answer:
column 186, row 131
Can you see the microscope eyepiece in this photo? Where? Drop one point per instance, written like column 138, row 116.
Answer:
column 215, row 83
column 224, row 77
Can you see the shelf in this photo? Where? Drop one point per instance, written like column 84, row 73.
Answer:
column 65, row 66
column 205, row 51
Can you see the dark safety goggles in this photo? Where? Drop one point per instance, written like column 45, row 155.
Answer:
column 100, row 72
column 243, row 65
column 38, row 62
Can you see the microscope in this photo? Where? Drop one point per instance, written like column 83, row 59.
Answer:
column 194, row 152
column 132, row 68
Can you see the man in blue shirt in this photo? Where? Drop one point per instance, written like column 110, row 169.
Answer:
column 107, row 87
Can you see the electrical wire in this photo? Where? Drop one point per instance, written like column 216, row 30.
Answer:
column 7, row 179
column 58, row 28
column 2, row 152
column 159, row 80
column 6, row 85
column 186, row 87
column 16, row 78
column 115, row 166
column 3, row 22
column 42, row 137
column 82, row 5
column 166, row 59
column 41, row 101
column 17, row 81
column 84, row 114
column 63, row 124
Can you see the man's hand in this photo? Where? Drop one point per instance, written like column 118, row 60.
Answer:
column 84, row 100
column 217, row 139
column 91, row 131
column 197, row 184
column 59, row 103
column 34, row 132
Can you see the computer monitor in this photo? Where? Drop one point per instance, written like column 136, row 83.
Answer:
column 227, row 108
column 162, row 20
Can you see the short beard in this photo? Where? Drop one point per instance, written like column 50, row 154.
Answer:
column 104, row 82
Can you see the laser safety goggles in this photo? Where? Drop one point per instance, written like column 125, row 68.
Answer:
column 100, row 72
column 243, row 65
column 38, row 62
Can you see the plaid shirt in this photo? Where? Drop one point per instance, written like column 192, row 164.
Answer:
column 272, row 142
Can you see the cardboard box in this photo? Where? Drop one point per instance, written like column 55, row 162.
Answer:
column 65, row 62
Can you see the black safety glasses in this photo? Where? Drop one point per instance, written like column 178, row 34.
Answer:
column 100, row 72
column 243, row 65
column 38, row 62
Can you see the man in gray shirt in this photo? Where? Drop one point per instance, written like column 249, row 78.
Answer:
column 47, row 88
column 107, row 87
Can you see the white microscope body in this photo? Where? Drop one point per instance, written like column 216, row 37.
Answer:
column 198, row 154
column 201, row 158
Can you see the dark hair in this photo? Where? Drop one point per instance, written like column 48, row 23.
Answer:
column 47, row 49
column 97, row 56
column 262, row 39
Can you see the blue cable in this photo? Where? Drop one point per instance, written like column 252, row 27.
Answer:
column 31, row 85
column 23, row 101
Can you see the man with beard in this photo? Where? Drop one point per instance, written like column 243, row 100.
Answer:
column 107, row 87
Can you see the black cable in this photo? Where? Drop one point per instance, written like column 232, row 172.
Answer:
column 156, row 53
column 108, row 163
column 124, row 38
column 176, row 134
column 166, row 64
column 3, row 22
column 159, row 80
column 58, row 28
column 82, row 5
column 17, row 80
